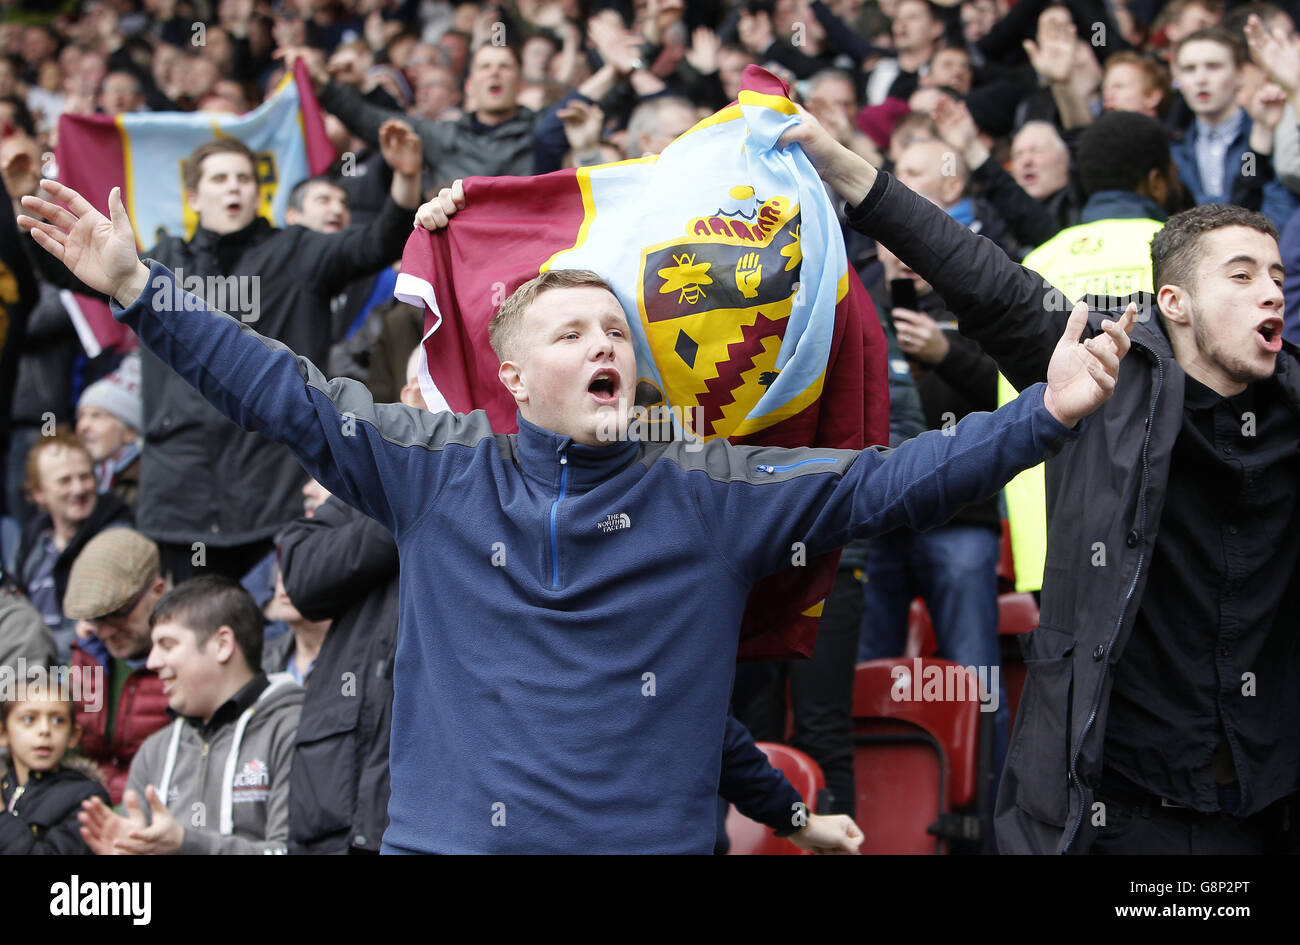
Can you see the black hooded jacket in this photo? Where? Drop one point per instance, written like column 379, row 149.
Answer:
column 44, row 816
column 201, row 477
column 342, row 565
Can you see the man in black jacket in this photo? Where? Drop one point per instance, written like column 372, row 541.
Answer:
column 341, row 564
column 212, row 495
column 1159, row 714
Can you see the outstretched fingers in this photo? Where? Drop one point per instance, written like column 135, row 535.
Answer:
column 1074, row 326
column 52, row 212
column 78, row 204
column 117, row 209
column 1105, row 355
column 1117, row 333
column 49, row 238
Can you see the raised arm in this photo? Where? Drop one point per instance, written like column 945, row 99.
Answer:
column 1014, row 314
column 354, row 447
column 812, row 501
column 339, row 258
column 1031, row 224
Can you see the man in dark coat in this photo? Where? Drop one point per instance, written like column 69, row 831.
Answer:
column 212, row 495
column 341, row 564
column 1158, row 714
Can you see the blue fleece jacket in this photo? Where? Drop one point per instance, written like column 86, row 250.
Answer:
column 569, row 614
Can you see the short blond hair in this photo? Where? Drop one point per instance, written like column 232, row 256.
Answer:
column 503, row 330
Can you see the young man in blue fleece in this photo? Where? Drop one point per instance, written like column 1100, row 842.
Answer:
column 569, row 605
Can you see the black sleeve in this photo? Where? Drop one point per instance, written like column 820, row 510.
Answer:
column 334, row 558
column 335, row 259
column 843, row 38
column 1030, row 222
column 1012, row 312
column 364, row 119
column 701, row 88
column 969, row 371
column 1021, row 23
column 63, row 838
column 50, row 270
column 550, row 140
column 245, row 65
column 804, row 67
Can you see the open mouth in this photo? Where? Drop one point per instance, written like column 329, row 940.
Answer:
column 604, row 387
column 1270, row 331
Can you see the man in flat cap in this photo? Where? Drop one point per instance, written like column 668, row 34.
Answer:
column 112, row 589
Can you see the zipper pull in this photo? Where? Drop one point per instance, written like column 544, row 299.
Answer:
column 764, row 468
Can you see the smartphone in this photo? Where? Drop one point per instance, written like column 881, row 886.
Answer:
column 902, row 293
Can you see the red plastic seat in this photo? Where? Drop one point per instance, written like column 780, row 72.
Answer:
column 1017, row 613
column 915, row 761
column 749, row 837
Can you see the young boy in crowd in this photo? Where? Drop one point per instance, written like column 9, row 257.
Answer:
column 41, row 789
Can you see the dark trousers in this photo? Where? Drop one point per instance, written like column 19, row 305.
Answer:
column 821, row 693
column 1142, row 824
column 178, row 559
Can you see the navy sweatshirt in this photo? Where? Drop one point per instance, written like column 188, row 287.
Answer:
column 569, row 614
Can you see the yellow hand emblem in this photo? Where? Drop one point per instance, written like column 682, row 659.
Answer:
column 749, row 273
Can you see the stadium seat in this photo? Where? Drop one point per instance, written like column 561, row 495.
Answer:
column 920, row 632
column 915, row 762
column 1017, row 613
column 749, row 837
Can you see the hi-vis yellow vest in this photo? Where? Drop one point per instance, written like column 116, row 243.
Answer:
column 1108, row 257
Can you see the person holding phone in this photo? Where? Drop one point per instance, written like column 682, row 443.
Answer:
column 953, row 567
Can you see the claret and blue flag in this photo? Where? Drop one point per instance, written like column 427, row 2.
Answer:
column 726, row 253
column 144, row 153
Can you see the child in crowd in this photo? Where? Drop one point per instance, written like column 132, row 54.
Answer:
column 40, row 787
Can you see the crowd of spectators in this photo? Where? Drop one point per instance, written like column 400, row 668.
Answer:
column 1019, row 121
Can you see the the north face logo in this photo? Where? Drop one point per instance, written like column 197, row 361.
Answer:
column 614, row 522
